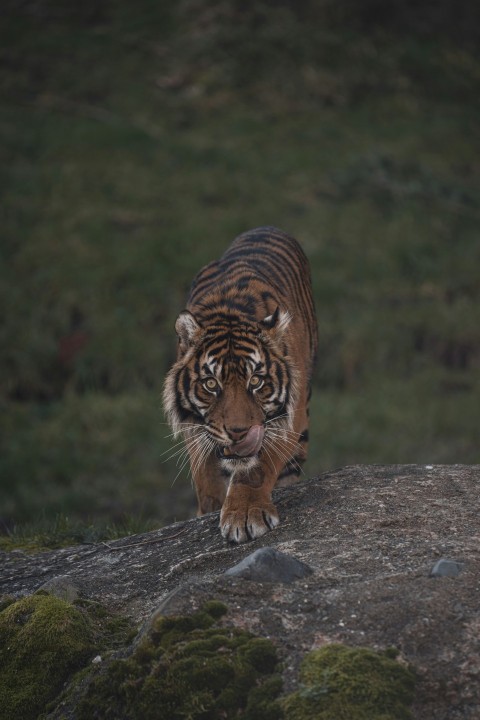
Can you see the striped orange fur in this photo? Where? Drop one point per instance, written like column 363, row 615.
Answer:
column 238, row 392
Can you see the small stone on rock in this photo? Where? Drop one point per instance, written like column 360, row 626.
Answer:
column 61, row 587
column 446, row 568
column 270, row 565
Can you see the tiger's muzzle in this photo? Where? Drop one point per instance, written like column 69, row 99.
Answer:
column 248, row 446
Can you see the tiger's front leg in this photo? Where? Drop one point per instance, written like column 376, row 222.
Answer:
column 248, row 511
column 210, row 484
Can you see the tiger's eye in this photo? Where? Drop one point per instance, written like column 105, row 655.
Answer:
column 210, row 384
column 255, row 381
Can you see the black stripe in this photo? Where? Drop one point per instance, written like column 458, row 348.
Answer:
column 241, row 348
column 286, row 274
column 244, row 304
column 258, row 253
column 215, row 347
column 274, row 245
column 220, row 319
column 185, row 383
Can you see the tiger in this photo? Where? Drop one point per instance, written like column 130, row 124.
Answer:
column 239, row 391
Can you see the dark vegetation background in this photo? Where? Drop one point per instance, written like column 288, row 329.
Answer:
column 137, row 139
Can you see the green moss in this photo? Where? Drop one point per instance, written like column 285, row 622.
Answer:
column 341, row 683
column 43, row 640
column 215, row 608
column 188, row 667
column 5, row 601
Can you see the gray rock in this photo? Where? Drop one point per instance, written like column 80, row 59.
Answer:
column 446, row 568
column 366, row 529
column 269, row 565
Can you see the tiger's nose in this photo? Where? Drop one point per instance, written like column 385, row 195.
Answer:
column 236, row 434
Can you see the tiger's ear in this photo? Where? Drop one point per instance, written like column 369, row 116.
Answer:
column 278, row 321
column 187, row 329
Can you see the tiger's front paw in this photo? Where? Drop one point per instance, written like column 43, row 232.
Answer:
column 241, row 521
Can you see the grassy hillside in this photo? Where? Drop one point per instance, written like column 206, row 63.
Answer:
column 137, row 140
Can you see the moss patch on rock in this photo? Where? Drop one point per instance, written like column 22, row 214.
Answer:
column 189, row 667
column 343, row 683
column 44, row 641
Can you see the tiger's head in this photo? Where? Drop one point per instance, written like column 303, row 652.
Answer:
column 233, row 383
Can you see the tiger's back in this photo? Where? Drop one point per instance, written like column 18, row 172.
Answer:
column 263, row 269
column 240, row 388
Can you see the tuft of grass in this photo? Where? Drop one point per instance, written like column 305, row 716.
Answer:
column 46, row 534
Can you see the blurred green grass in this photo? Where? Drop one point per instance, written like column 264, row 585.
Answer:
column 136, row 143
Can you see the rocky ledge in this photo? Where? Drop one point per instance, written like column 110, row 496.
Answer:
column 388, row 557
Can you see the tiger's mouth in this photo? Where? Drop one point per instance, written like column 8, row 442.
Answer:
column 248, row 447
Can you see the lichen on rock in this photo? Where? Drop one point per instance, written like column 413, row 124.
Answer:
column 189, row 667
column 345, row 683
